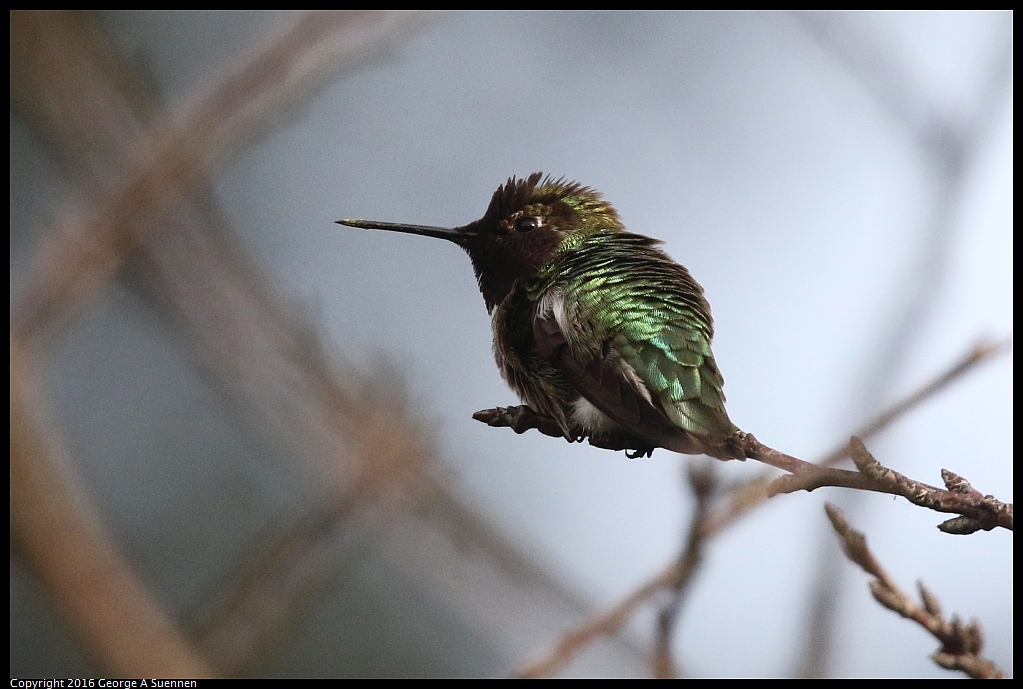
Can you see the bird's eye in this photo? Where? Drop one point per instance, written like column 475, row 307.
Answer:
column 527, row 223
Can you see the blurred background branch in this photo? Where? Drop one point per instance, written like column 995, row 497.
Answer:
column 961, row 644
column 58, row 535
column 138, row 170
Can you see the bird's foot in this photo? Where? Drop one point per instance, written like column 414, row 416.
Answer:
column 634, row 448
column 739, row 445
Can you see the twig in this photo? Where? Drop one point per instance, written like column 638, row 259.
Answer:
column 985, row 512
column 960, row 643
column 978, row 512
column 803, row 475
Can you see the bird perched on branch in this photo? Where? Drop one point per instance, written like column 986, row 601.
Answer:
column 601, row 334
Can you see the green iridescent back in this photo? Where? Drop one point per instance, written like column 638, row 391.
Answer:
column 622, row 292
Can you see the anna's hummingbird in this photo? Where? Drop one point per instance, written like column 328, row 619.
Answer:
column 600, row 332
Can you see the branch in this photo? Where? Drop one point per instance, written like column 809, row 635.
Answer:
column 960, row 643
column 977, row 512
column 803, row 475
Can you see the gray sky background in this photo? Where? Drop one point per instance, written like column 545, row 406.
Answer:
column 785, row 185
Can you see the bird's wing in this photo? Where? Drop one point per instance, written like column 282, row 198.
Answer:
column 635, row 342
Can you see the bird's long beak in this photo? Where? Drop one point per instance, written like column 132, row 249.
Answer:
column 456, row 235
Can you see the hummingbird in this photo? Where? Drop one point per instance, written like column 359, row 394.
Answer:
column 600, row 333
